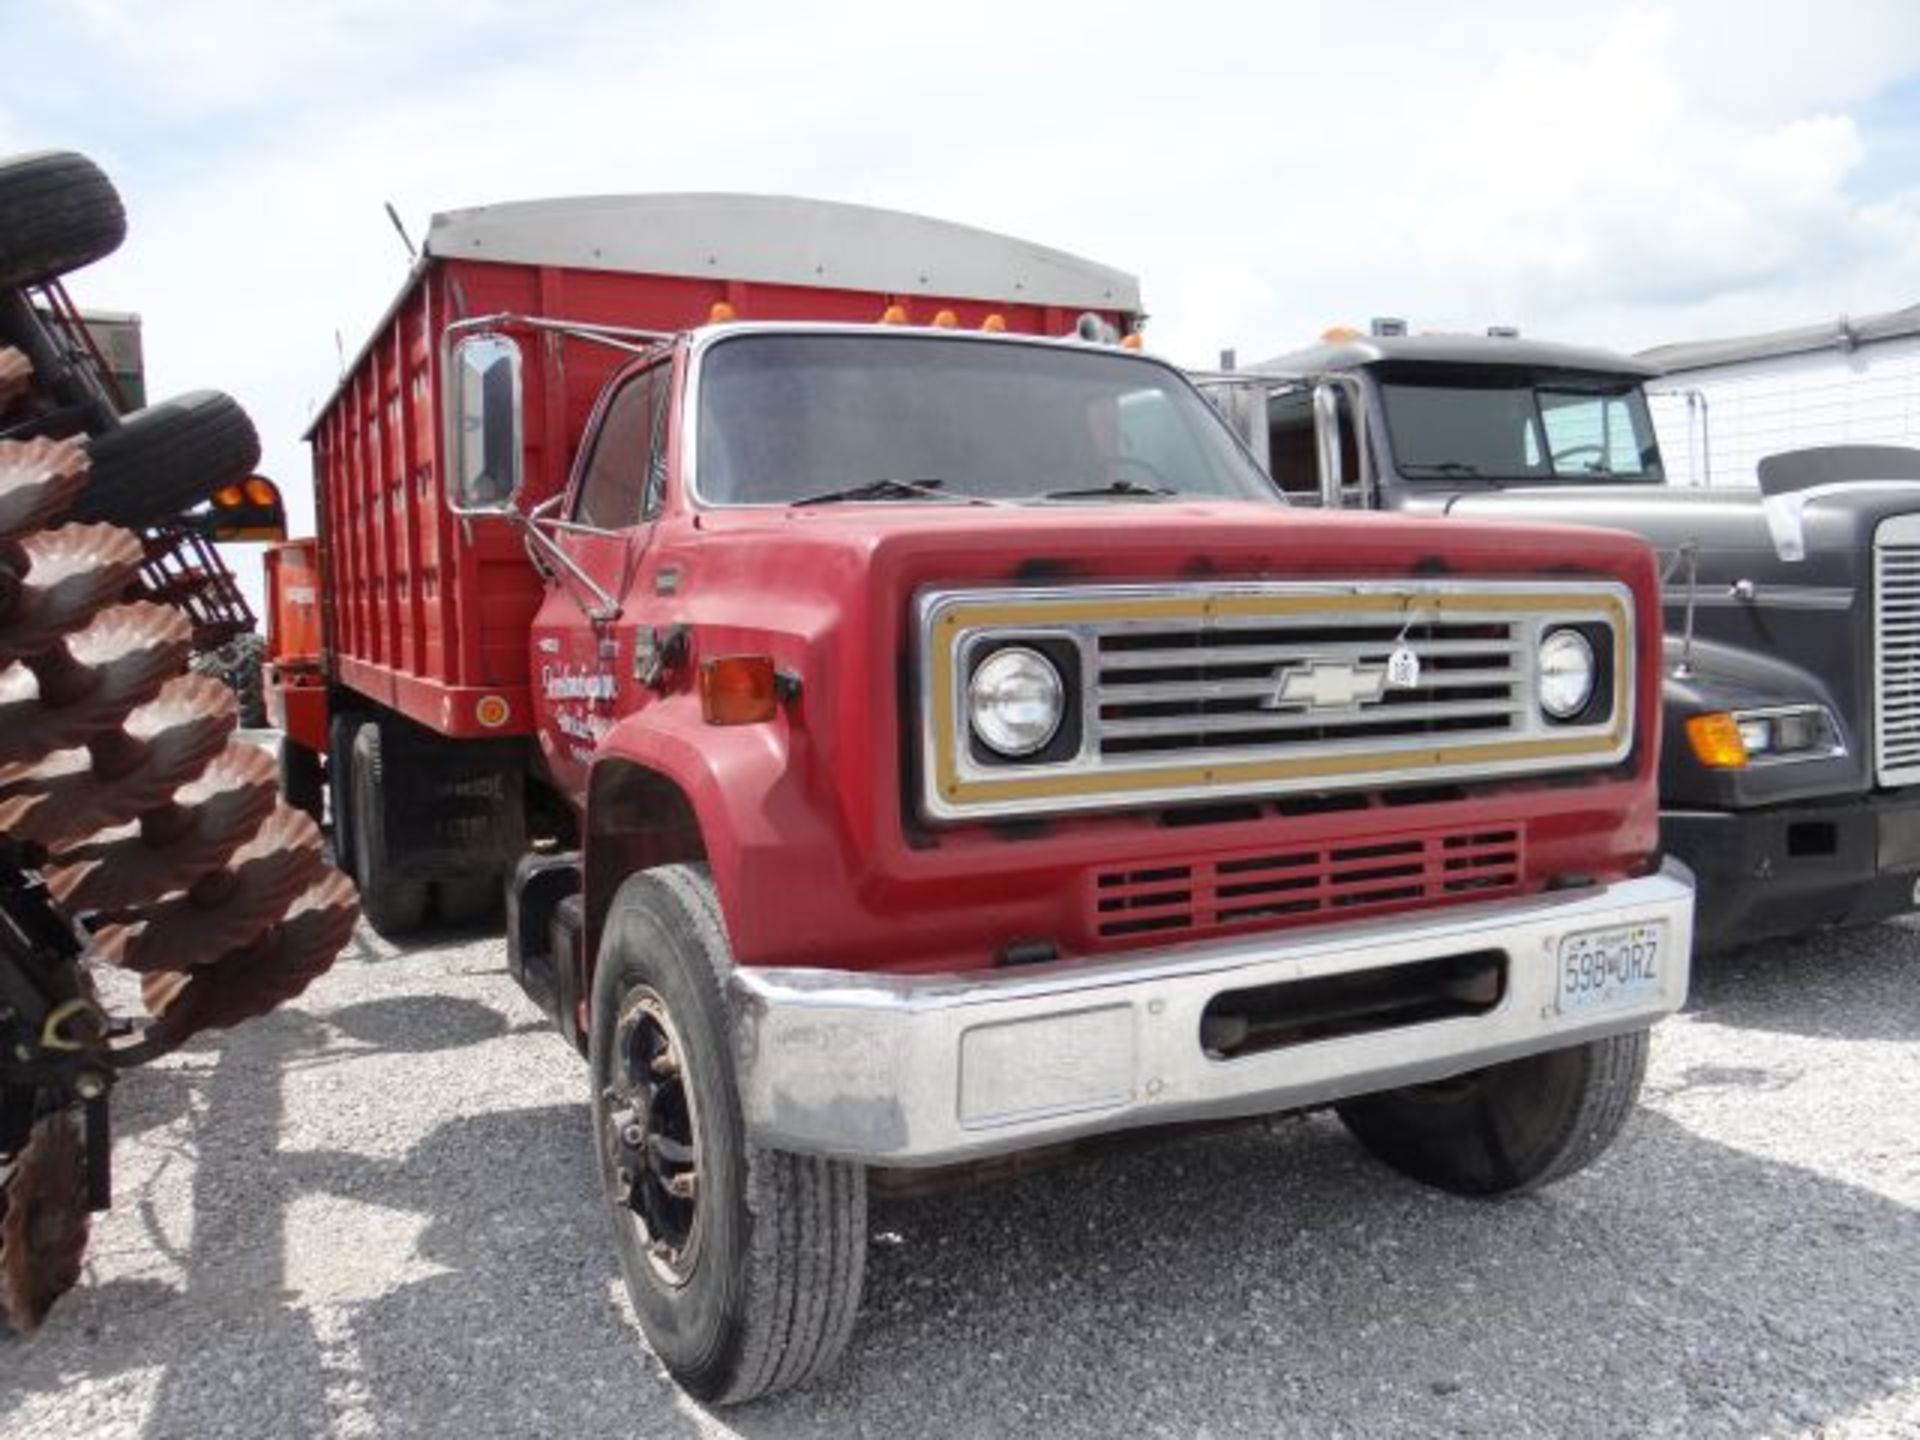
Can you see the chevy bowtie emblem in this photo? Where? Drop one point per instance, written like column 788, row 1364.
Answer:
column 1338, row 685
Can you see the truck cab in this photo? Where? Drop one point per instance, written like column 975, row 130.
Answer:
column 1786, row 783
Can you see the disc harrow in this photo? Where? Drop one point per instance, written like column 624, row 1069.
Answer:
column 136, row 831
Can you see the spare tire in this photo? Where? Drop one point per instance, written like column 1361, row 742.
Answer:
column 162, row 461
column 58, row 211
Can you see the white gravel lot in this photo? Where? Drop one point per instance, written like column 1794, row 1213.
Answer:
column 372, row 1215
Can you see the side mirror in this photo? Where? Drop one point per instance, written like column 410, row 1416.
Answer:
column 1326, row 442
column 484, row 424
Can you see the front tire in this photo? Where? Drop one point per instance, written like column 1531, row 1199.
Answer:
column 744, row 1264
column 1509, row 1128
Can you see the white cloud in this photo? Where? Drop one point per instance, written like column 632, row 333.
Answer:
column 1626, row 175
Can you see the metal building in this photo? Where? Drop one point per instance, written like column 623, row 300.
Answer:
column 1854, row 380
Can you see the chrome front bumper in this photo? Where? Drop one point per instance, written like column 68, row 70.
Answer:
column 926, row 1070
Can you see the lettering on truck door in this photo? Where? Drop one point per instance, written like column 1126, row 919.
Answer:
column 583, row 671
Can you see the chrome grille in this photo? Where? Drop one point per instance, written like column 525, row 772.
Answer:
column 1896, row 627
column 1212, row 690
column 1165, row 691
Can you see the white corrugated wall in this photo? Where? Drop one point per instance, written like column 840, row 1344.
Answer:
column 1869, row 395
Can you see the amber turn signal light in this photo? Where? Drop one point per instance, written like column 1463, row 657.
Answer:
column 738, row 690
column 1716, row 741
column 894, row 315
column 720, row 313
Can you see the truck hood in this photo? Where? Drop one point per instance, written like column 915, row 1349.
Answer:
column 1780, row 591
column 1035, row 544
column 1821, row 536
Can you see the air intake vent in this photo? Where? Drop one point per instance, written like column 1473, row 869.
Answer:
column 1263, row 889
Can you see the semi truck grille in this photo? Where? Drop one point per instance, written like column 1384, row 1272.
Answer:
column 1300, row 883
column 1216, row 691
column 1896, row 628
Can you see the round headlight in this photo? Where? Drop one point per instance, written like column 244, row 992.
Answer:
column 1566, row 674
column 1016, row 700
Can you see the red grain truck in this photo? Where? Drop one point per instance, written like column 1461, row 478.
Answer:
column 915, row 745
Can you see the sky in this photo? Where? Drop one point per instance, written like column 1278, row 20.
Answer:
column 1623, row 175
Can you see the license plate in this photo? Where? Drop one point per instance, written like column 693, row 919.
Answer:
column 1601, row 969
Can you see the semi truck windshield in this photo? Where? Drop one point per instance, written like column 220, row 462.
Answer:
column 789, row 417
column 1520, row 430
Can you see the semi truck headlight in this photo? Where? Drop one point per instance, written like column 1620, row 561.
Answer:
column 1566, row 673
column 1788, row 732
column 1015, row 701
column 1734, row 739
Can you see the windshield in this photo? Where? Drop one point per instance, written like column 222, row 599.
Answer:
column 1524, row 428
column 898, row 418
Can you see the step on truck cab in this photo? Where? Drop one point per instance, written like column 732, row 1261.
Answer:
column 1790, row 778
column 935, row 744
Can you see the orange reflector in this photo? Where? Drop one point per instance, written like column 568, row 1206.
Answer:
column 261, row 491
column 1133, row 342
column 994, row 324
column 492, row 711
column 946, row 320
column 894, row 315
column 1716, row 741
column 737, row 690
column 720, row 313
column 229, row 495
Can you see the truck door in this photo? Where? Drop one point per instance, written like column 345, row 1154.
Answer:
column 583, row 633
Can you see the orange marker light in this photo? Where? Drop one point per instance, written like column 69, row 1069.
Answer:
column 229, row 495
column 1334, row 334
column 720, row 313
column 261, row 491
column 1716, row 741
column 994, row 324
column 946, row 320
column 894, row 315
column 1134, row 341
column 737, row 690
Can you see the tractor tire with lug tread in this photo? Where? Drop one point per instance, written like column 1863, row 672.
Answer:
column 752, row 1284
column 302, row 782
column 393, row 906
column 58, row 212
column 162, row 461
column 1509, row 1128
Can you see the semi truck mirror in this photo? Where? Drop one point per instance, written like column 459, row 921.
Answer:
column 486, row 423
column 1326, row 436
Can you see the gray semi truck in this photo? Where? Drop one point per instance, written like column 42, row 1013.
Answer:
column 1790, row 771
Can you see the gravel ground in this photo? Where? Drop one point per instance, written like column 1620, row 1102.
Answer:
column 372, row 1214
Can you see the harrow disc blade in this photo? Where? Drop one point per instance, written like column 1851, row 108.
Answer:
column 227, row 909
column 16, row 371
column 71, row 575
column 38, row 480
column 253, row 980
column 87, row 685
column 172, row 847
column 43, row 1218
column 164, row 744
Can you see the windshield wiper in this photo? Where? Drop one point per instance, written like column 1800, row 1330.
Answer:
column 1443, row 467
column 1117, row 487
column 886, row 487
